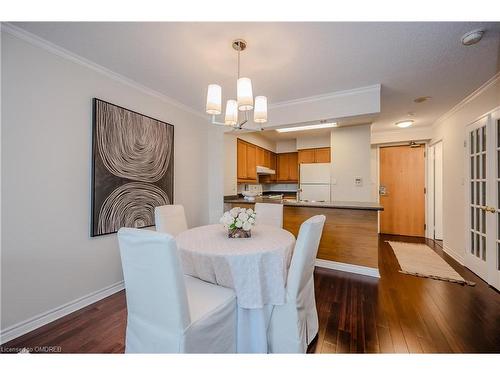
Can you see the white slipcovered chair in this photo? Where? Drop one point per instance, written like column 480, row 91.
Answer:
column 295, row 324
column 170, row 219
column 269, row 214
column 167, row 311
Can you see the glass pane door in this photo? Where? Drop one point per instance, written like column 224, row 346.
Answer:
column 476, row 257
column 495, row 270
column 483, row 196
column 478, row 192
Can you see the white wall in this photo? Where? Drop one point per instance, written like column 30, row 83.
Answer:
column 402, row 135
column 230, row 164
column 48, row 258
column 257, row 139
column 374, row 172
column 348, row 103
column 350, row 159
column 305, row 142
column 289, row 145
column 451, row 130
column 216, row 175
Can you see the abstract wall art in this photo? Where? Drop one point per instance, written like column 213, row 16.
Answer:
column 132, row 168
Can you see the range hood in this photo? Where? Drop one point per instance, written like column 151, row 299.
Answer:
column 265, row 170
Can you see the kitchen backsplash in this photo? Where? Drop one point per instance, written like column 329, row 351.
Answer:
column 271, row 187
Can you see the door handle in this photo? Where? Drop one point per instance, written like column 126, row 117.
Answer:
column 488, row 209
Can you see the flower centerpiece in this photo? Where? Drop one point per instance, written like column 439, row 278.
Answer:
column 238, row 222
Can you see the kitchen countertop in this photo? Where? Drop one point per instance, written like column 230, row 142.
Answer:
column 372, row 206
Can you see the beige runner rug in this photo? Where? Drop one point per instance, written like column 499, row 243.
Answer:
column 420, row 260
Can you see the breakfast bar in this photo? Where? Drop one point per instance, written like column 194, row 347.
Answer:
column 350, row 234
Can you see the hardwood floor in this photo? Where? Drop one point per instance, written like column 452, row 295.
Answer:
column 405, row 314
column 357, row 314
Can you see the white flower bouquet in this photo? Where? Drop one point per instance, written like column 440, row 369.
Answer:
column 238, row 222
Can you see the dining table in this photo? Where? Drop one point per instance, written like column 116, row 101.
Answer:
column 255, row 268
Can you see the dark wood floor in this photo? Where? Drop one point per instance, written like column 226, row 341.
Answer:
column 396, row 313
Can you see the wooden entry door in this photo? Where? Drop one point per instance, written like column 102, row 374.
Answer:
column 402, row 190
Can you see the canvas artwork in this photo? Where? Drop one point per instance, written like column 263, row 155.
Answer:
column 132, row 159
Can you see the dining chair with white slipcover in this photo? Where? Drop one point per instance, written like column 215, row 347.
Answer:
column 295, row 324
column 170, row 219
column 269, row 214
column 169, row 312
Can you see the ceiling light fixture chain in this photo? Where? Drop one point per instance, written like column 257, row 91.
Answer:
column 245, row 101
column 238, row 64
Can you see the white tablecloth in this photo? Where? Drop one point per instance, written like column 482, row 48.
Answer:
column 255, row 268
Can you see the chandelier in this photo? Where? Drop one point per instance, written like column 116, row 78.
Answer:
column 244, row 102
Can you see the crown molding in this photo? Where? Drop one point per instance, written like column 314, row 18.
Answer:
column 331, row 95
column 485, row 86
column 73, row 57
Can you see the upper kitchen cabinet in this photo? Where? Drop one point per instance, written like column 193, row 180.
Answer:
column 249, row 157
column 246, row 161
column 288, row 166
column 306, row 156
column 267, row 159
column 260, row 157
column 251, row 162
column 314, row 155
column 241, row 157
column 322, row 155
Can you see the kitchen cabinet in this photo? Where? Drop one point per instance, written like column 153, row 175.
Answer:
column 287, row 167
column 314, row 155
column 267, row 158
column 306, row 156
column 241, row 156
column 249, row 156
column 246, row 161
column 322, row 155
column 251, row 162
column 260, row 156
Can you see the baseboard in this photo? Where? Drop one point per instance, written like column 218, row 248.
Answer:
column 360, row 270
column 452, row 253
column 40, row 320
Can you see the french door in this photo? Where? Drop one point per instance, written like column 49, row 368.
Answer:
column 483, row 198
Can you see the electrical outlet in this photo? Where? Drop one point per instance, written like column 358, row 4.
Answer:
column 358, row 181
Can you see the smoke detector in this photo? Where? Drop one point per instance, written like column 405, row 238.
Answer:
column 421, row 99
column 472, row 37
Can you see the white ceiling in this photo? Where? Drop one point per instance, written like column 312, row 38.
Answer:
column 293, row 60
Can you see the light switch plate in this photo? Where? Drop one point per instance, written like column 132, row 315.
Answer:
column 358, row 181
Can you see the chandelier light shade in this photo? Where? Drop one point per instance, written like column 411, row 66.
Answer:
column 214, row 100
column 244, row 93
column 260, row 110
column 231, row 113
column 244, row 99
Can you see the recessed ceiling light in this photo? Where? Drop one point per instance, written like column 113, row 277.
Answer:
column 404, row 124
column 472, row 37
column 421, row 99
column 308, row 127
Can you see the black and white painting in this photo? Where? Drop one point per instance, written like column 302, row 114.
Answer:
column 132, row 159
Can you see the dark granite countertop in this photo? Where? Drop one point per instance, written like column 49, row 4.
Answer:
column 372, row 206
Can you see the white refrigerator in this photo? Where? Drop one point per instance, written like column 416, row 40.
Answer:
column 315, row 182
